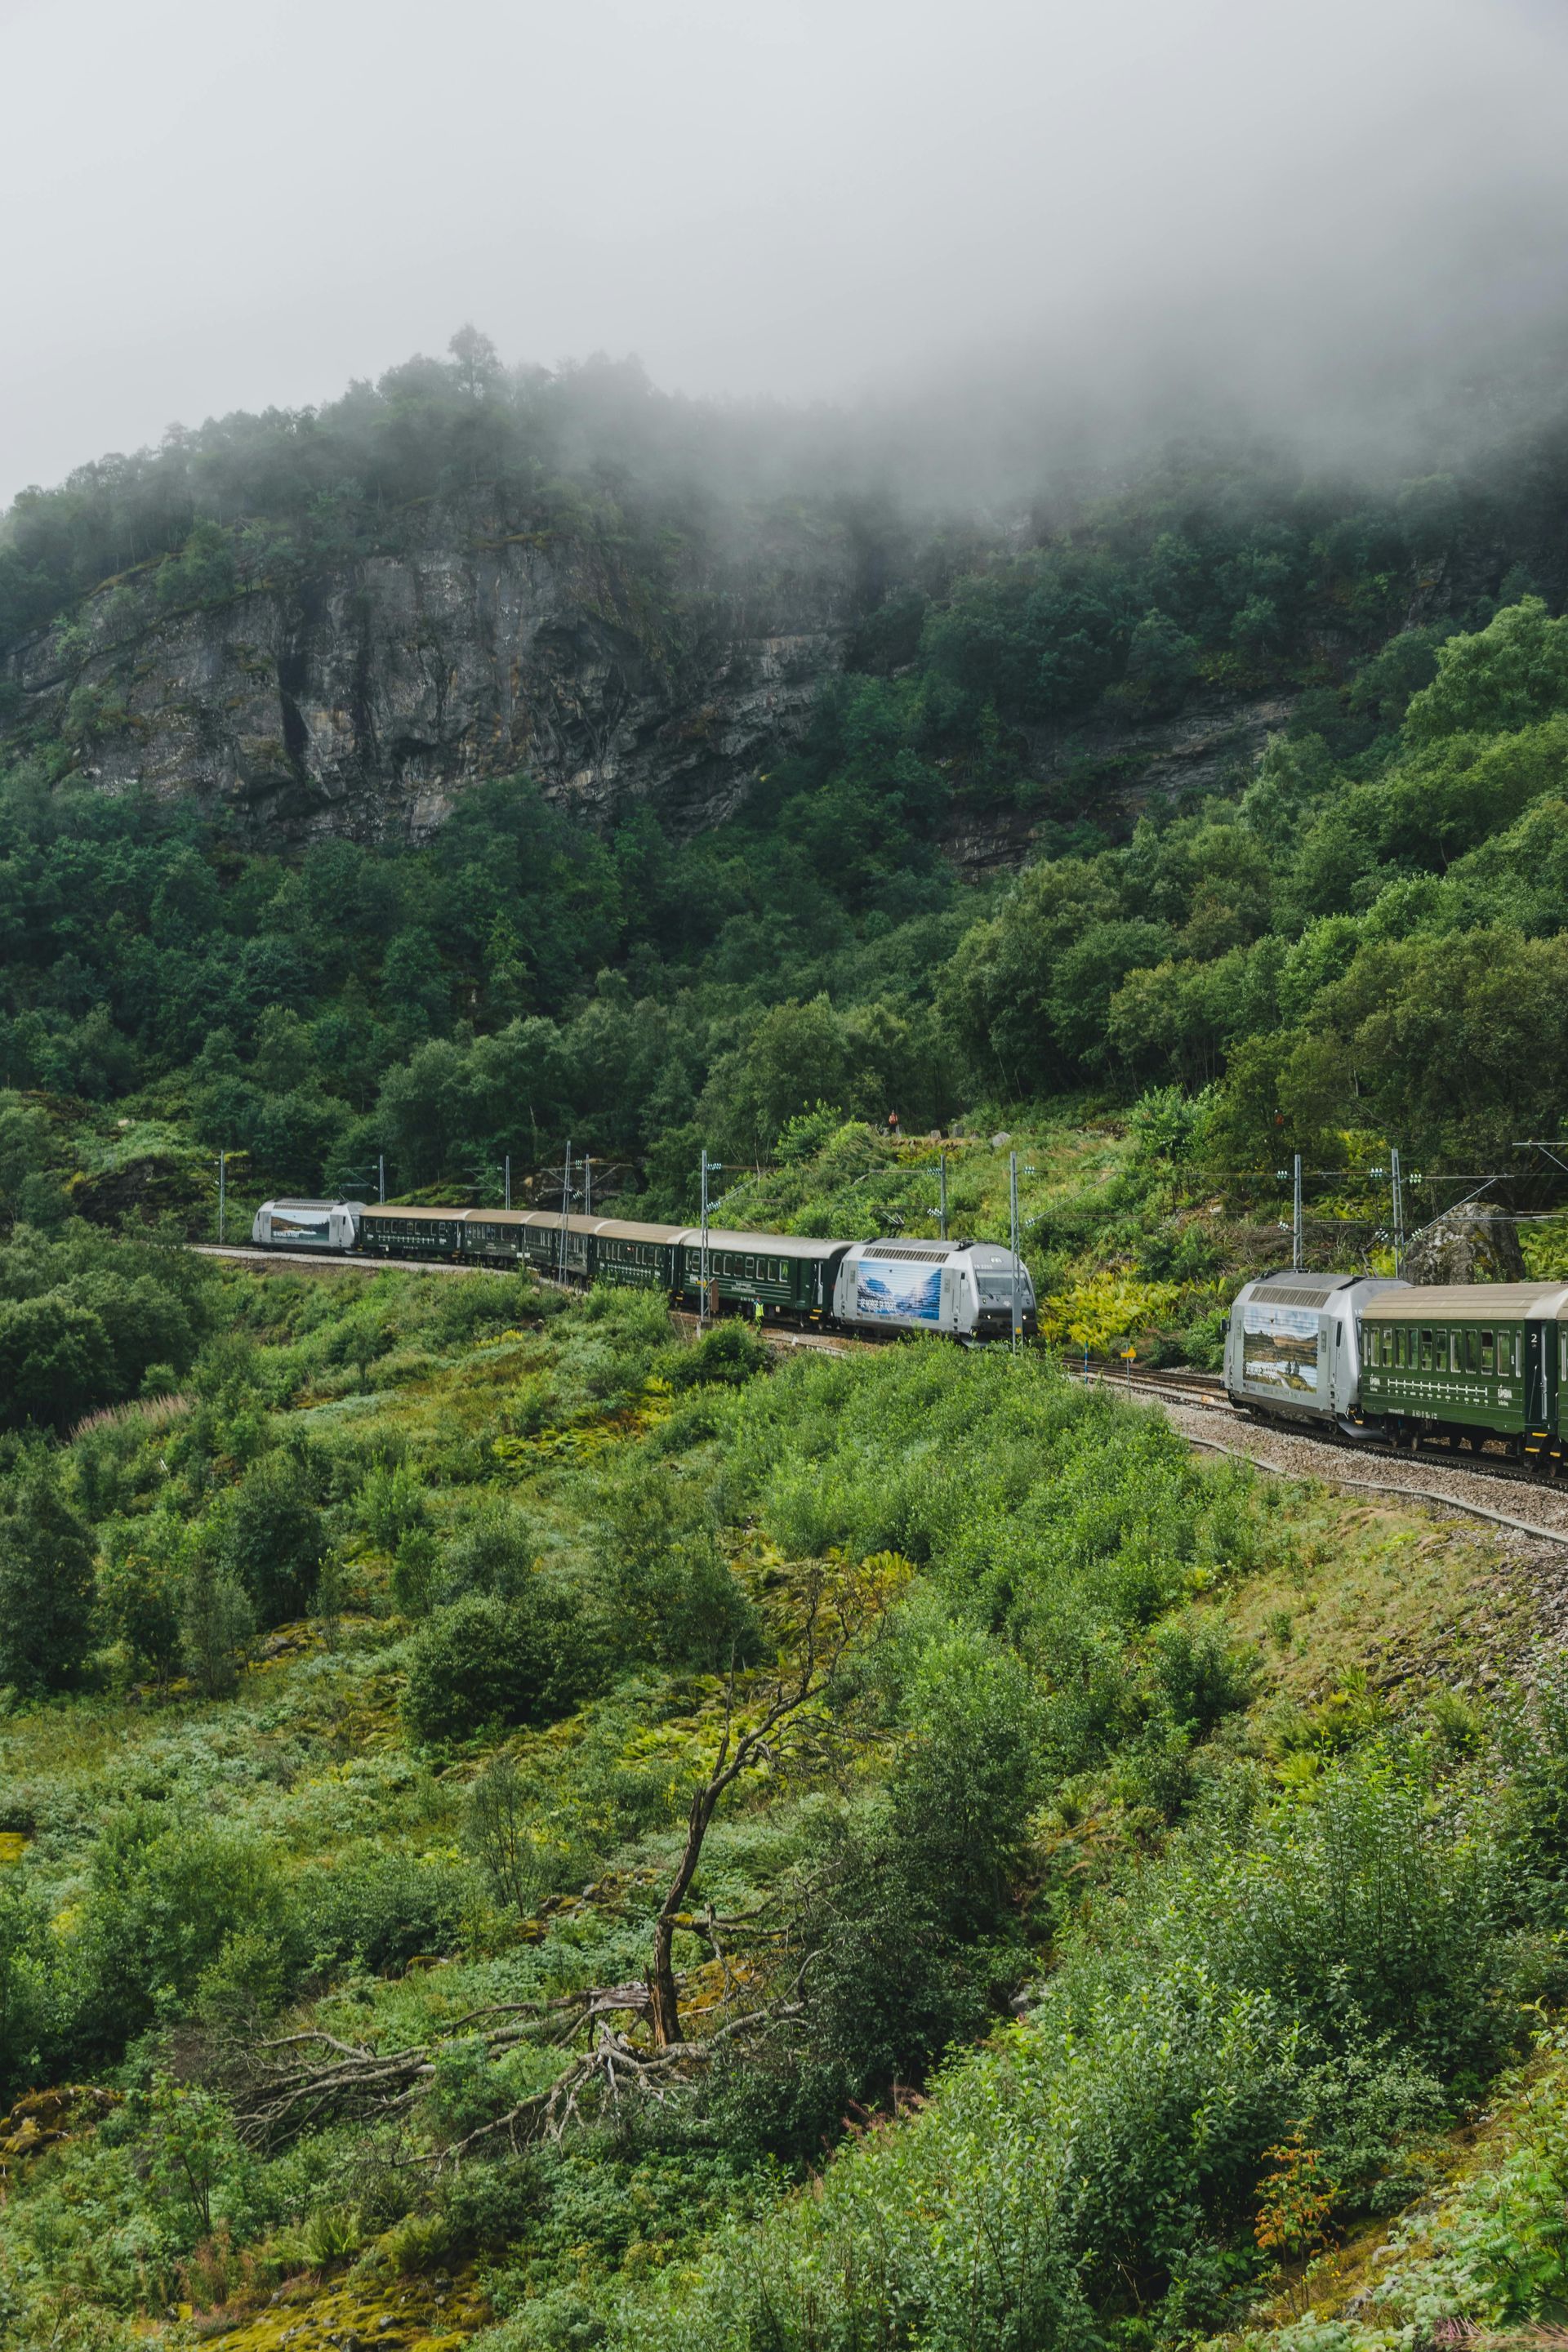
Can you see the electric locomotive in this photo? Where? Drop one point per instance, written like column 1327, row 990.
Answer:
column 1292, row 1352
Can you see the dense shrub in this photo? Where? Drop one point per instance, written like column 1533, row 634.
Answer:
column 488, row 1662
column 164, row 1894
column 83, row 1320
column 1328, row 1972
column 730, row 1353
column 496, row 1553
column 672, row 1595
column 904, row 1930
column 380, row 1909
column 29, row 2001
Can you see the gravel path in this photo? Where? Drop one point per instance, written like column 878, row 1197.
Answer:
column 1538, row 1509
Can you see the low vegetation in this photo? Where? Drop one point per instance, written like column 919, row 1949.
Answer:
column 528, row 1825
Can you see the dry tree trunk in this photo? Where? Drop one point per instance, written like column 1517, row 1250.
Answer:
column 828, row 1631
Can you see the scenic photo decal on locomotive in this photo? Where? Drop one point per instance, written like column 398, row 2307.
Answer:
column 1279, row 1345
column 908, row 1292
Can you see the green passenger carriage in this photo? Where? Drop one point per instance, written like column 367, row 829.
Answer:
column 789, row 1273
column 494, row 1235
column 412, row 1232
column 1467, row 1364
column 640, row 1257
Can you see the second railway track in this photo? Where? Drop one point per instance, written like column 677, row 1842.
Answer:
column 1425, row 1476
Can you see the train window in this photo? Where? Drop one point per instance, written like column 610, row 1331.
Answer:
column 1425, row 1348
column 1469, row 1351
column 1488, row 1352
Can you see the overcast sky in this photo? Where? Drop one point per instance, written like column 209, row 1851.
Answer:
column 220, row 206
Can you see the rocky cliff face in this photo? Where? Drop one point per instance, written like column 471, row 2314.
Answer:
column 1116, row 772
column 359, row 694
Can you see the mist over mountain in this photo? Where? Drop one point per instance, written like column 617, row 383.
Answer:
column 1319, row 220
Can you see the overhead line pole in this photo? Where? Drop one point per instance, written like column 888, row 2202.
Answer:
column 566, row 1207
column 941, row 1184
column 1013, row 1238
column 1295, row 1218
column 1397, row 1185
column 709, row 1168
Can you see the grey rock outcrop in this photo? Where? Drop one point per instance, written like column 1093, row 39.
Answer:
column 364, row 695
column 1473, row 1244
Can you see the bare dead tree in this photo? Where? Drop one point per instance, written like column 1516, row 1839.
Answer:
column 284, row 2086
column 835, row 1616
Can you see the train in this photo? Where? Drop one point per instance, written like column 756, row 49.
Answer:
column 1382, row 1361
column 967, row 1290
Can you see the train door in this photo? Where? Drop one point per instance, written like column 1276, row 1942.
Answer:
column 1539, row 1379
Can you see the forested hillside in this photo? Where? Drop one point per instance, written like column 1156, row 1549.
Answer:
column 1294, row 938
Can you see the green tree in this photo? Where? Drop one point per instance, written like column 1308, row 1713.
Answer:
column 141, row 1591
column 26, row 1989
column 274, row 1537
column 217, row 1621
column 1506, row 676
column 55, row 1361
column 46, row 1582
column 193, row 2150
column 1162, row 663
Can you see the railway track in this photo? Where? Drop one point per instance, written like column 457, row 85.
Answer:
column 1180, row 1389
column 271, row 1261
